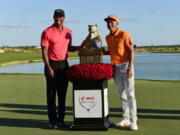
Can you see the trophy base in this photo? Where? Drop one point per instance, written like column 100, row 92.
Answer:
column 91, row 59
column 104, row 127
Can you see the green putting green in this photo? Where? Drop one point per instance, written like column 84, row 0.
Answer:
column 23, row 107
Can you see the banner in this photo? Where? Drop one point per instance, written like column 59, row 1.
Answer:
column 88, row 103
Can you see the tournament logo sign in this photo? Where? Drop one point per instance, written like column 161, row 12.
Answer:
column 87, row 102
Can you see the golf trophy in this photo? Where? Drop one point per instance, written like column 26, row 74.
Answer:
column 90, row 86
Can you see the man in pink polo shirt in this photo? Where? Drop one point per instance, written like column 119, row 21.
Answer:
column 56, row 42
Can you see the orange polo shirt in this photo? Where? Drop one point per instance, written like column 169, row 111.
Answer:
column 117, row 46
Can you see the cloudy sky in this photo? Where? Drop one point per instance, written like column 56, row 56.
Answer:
column 150, row 22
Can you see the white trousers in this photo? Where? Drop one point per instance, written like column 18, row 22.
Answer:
column 126, row 91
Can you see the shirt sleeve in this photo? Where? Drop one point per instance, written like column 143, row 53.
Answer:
column 44, row 39
column 127, row 39
column 70, row 38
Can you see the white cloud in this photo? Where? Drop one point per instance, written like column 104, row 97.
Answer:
column 150, row 11
column 128, row 19
column 66, row 21
column 13, row 26
column 74, row 21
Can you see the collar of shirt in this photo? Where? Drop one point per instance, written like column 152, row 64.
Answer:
column 116, row 33
column 56, row 29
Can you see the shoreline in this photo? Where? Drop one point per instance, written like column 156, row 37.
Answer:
column 29, row 61
column 140, row 79
column 19, row 62
column 70, row 58
column 73, row 58
column 164, row 52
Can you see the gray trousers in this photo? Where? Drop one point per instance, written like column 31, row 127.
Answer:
column 126, row 91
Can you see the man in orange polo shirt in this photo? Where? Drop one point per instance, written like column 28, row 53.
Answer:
column 56, row 42
column 121, row 51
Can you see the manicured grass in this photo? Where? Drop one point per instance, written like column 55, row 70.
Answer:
column 159, row 48
column 26, row 56
column 23, row 107
column 167, row 51
column 73, row 55
column 19, row 56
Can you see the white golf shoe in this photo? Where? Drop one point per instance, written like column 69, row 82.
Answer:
column 134, row 126
column 123, row 123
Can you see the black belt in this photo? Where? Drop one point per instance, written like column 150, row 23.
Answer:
column 57, row 61
column 59, row 64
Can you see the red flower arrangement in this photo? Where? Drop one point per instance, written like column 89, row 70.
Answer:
column 90, row 72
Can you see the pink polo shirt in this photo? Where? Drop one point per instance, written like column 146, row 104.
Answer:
column 57, row 42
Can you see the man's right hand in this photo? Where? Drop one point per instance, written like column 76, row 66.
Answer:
column 50, row 72
column 104, row 51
